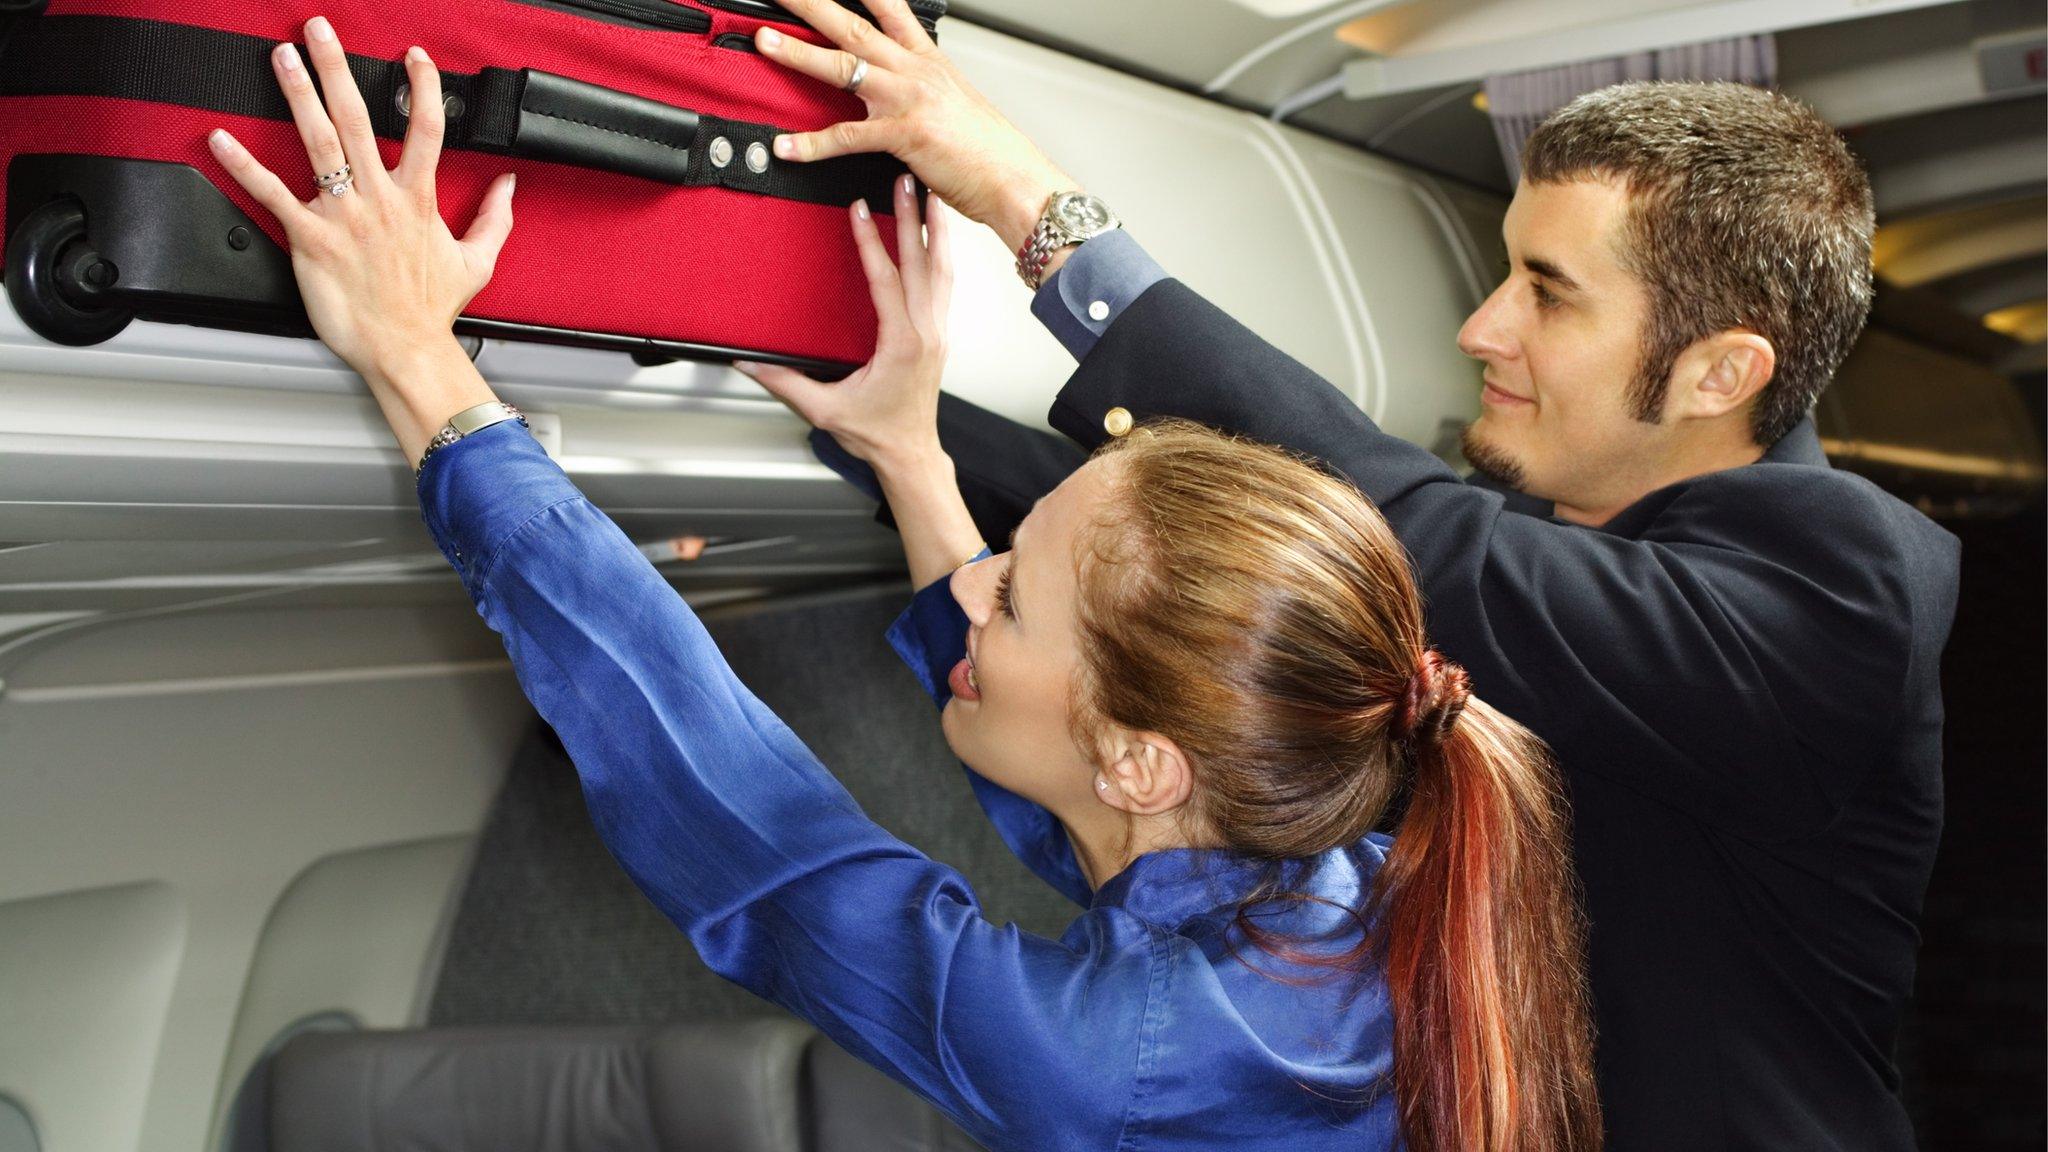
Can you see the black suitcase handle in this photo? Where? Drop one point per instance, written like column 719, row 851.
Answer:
column 575, row 122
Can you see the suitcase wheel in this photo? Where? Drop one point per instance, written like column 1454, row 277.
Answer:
column 60, row 286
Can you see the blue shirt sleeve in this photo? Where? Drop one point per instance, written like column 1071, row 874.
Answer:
column 1079, row 302
column 743, row 839
column 931, row 637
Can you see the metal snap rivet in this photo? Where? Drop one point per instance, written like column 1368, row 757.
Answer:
column 238, row 238
column 757, row 156
column 451, row 106
column 721, row 152
column 403, row 98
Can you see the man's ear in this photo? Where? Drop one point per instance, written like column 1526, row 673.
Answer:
column 1144, row 774
column 1720, row 374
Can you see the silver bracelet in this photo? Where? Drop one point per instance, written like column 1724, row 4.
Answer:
column 469, row 420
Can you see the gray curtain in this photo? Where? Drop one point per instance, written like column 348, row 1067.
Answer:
column 1520, row 101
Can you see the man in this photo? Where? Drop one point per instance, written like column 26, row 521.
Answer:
column 1732, row 648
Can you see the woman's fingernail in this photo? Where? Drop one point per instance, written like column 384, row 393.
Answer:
column 221, row 141
column 319, row 29
column 860, row 208
column 770, row 39
column 747, row 366
column 785, row 147
column 511, row 182
column 288, row 57
column 415, row 55
column 909, row 186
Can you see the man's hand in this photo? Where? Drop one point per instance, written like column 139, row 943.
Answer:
column 920, row 110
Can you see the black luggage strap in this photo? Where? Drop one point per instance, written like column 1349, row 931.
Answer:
column 510, row 112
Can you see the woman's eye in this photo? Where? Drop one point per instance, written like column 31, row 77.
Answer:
column 1543, row 297
column 1003, row 594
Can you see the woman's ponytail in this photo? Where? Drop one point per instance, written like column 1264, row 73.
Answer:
column 1481, row 935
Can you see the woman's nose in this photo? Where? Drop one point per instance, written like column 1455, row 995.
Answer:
column 974, row 588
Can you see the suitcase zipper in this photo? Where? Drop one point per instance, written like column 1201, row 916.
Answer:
column 646, row 13
column 926, row 11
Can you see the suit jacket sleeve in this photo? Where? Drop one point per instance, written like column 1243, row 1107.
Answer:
column 1685, row 663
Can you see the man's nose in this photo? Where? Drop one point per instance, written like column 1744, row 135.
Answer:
column 974, row 588
column 1486, row 334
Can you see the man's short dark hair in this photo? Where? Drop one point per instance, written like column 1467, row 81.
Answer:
column 1746, row 210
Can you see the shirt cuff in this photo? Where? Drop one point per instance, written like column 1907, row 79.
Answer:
column 931, row 635
column 1078, row 303
column 478, row 491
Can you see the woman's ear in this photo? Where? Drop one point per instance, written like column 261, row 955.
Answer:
column 1144, row 773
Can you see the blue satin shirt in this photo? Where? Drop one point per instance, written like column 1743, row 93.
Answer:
column 1136, row 1029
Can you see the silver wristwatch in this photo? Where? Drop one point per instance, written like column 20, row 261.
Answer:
column 467, row 421
column 1069, row 218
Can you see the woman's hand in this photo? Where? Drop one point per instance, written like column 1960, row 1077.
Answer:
column 887, row 411
column 922, row 111
column 382, row 277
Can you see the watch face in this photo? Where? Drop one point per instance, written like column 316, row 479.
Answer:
column 1083, row 214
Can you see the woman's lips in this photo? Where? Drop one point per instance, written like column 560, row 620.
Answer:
column 961, row 681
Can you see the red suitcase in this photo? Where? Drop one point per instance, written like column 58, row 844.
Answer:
column 651, row 215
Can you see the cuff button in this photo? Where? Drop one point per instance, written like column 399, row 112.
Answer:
column 1116, row 421
column 1099, row 310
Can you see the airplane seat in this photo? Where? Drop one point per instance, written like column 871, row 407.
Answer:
column 761, row 1085
column 856, row 1108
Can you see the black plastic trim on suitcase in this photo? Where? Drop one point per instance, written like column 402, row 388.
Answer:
column 183, row 253
column 498, row 110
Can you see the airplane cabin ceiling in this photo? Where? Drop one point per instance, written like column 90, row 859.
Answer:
column 1942, row 99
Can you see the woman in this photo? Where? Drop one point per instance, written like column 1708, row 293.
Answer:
column 1186, row 695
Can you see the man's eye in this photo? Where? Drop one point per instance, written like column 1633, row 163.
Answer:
column 1003, row 594
column 1543, row 297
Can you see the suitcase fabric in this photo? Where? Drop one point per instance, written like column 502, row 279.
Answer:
column 643, row 219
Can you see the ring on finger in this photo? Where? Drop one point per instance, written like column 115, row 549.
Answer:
column 860, row 73
column 339, row 178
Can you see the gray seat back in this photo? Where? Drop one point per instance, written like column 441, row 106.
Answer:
column 713, row 1087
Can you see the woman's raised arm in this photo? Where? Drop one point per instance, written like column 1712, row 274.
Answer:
column 713, row 806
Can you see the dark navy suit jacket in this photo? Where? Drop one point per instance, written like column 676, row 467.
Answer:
column 1739, row 675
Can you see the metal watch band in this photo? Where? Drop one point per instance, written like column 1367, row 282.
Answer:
column 469, row 420
column 1032, row 257
column 1054, row 233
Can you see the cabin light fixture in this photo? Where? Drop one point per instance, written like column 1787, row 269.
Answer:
column 2026, row 323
